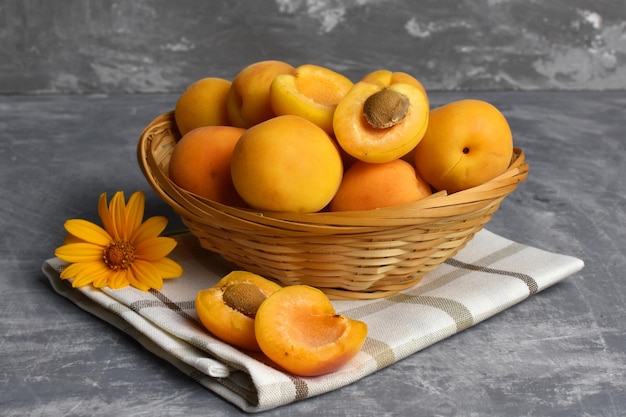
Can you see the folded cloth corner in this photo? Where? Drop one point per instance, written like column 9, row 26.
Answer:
column 486, row 277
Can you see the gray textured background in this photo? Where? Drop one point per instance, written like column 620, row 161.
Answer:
column 88, row 46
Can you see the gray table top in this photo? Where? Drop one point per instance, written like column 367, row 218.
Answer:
column 559, row 353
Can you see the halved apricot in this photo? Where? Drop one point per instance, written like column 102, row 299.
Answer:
column 311, row 92
column 228, row 309
column 298, row 329
column 385, row 78
column 376, row 123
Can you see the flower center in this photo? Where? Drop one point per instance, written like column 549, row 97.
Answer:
column 119, row 255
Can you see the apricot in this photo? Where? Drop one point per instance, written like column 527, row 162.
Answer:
column 286, row 164
column 367, row 186
column 200, row 163
column 376, row 123
column 311, row 92
column 298, row 329
column 467, row 143
column 228, row 309
column 385, row 78
column 248, row 101
column 203, row 103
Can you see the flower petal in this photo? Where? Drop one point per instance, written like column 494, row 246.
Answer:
column 147, row 274
column 155, row 248
column 88, row 231
column 119, row 279
column 152, row 227
column 72, row 270
column 168, row 268
column 79, row 252
column 136, row 283
column 134, row 212
column 85, row 273
column 82, row 280
column 117, row 208
column 105, row 215
column 70, row 238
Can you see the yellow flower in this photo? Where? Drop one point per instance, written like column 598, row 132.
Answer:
column 124, row 252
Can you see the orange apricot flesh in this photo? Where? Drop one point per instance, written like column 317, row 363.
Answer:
column 311, row 92
column 228, row 309
column 395, row 135
column 298, row 329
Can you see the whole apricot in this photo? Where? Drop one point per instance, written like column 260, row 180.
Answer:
column 298, row 329
column 200, row 163
column 203, row 103
column 311, row 92
column 286, row 164
column 376, row 123
column 385, row 78
column 248, row 100
column 367, row 186
column 228, row 309
column 467, row 143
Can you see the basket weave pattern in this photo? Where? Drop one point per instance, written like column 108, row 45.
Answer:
column 348, row 255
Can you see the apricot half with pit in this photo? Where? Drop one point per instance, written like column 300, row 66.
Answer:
column 377, row 123
column 298, row 329
column 228, row 309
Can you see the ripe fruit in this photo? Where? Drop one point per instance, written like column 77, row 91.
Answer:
column 200, row 163
column 203, row 103
column 376, row 123
column 311, row 92
column 248, row 100
column 228, row 309
column 367, row 186
column 298, row 329
column 286, row 164
column 467, row 143
column 385, row 78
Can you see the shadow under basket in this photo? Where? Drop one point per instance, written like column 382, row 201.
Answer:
column 348, row 255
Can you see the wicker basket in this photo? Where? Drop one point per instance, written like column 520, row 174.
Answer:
column 348, row 255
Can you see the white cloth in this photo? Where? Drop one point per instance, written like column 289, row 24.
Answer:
column 489, row 275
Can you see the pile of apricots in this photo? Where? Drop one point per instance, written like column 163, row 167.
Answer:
column 307, row 139
column 296, row 326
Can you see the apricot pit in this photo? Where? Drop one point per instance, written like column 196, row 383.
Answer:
column 228, row 309
column 243, row 297
column 385, row 108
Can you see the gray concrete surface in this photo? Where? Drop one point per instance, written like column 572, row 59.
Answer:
column 89, row 46
column 559, row 353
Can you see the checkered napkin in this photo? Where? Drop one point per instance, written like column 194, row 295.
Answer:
column 489, row 275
